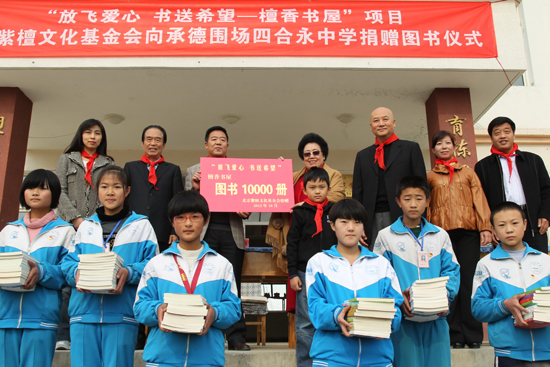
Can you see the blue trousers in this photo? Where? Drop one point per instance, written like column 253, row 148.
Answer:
column 27, row 347
column 422, row 344
column 103, row 345
column 304, row 327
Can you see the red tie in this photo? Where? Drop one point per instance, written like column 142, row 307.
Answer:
column 89, row 165
column 449, row 167
column 152, row 173
column 507, row 156
column 318, row 214
column 379, row 155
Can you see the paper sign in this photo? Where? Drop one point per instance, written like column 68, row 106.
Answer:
column 247, row 185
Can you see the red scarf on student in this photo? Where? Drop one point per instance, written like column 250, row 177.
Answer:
column 448, row 165
column 89, row 165
column 318, row 213
column 152, row 173
column 379, row 155
column 507, row 156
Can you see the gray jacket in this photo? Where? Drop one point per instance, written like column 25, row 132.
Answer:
column 235, row 222
column 78, row 198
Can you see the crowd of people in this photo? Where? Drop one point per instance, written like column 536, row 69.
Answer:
column 401, row 225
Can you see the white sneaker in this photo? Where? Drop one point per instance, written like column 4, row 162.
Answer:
column 63, row 345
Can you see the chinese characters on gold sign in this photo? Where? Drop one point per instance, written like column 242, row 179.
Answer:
column 461, row 149
column 1, row 125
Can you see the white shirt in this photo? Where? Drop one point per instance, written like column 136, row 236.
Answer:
column 513, row 188
column 190, row 255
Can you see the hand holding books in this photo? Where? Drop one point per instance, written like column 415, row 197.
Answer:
column 185, row 313
column 101, row 273
column 32, row 279
column 18, row 271
column 512, row 304
column 344, row 325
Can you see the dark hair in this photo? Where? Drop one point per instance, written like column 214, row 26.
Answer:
column 117, row 171
column 497, row 121
column 77, row 144
column 314, row 174
column 440, row 135
column 188, row 202
column 164, row 136
column 312, row 138
column 412, row 182
column 349, row 209
column 41, row 178
column 505, row 206
column 215, row 128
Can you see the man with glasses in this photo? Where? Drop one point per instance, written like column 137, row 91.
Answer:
column 379, row 168
column 224, row 233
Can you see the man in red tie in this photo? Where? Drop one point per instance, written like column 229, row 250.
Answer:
column 379, row 168
column 509, row 174
column 154, row 183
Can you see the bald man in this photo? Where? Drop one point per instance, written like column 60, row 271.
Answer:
column 379, row 168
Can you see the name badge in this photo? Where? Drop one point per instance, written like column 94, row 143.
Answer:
column 423, row 261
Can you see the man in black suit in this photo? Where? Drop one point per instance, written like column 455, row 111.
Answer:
column 379, row 168
column 154, row 183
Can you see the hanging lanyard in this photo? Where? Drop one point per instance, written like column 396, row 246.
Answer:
column 108, row 238
column 416, row 238
column 190, row 289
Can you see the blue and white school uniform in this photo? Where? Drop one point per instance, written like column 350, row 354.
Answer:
column 103, row 327
column 498, row 277
column 29, row 320
column 427, row 343
column 216, row 283
column 330, row 281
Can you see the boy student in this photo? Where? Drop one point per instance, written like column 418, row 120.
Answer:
column 346, row 271
column 511, row 269
column 188, row 266
column 417, row 250
column 309, row 233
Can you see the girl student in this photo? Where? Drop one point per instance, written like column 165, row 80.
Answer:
column 77, row 169
column 103, row 327
column 29, row 317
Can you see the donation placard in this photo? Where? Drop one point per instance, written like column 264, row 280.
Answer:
column 247, row 185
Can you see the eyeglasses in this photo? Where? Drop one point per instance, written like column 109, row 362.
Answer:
column 184, row 218
column 315, row 154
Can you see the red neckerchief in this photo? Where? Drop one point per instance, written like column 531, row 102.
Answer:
column 318, row 213
column 379, row 155
column 507, row 156
column 89, row 165
column 152, row 172
column 190, row 289
column 448, row 165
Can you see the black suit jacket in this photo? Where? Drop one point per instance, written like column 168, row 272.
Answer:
column 534, row 179
column 405, row 160
column 144, row 199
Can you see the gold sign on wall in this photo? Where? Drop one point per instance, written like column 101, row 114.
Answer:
column 348, row 183
column 461, row 149
column 1, row 125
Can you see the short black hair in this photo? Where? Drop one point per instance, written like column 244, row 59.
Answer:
column 314, row 174
column 164, row 136
column 215, row 128
column 497, row 121
column 41, row 178
column 117, row 171
column 349, row 209
column 312, row 138
column 505, row 206
column 440, row 135
column 188, row 202
column 412, row 182
column 77, row 145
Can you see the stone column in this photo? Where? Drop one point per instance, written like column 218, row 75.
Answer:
column 15, row 122
column 450, row 109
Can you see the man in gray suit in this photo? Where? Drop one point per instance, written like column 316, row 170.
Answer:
column 224, row 233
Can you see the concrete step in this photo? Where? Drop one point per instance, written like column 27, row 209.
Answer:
column 278, row 354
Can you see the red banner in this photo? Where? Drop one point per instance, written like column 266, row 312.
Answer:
column 247, row 185
column 246, row 28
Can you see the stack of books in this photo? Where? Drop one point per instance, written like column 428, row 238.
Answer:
column 185, row 313
column 428, row 299
column 371, row 316
column 98, row 271
column 14, row 270
column 537, row 303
